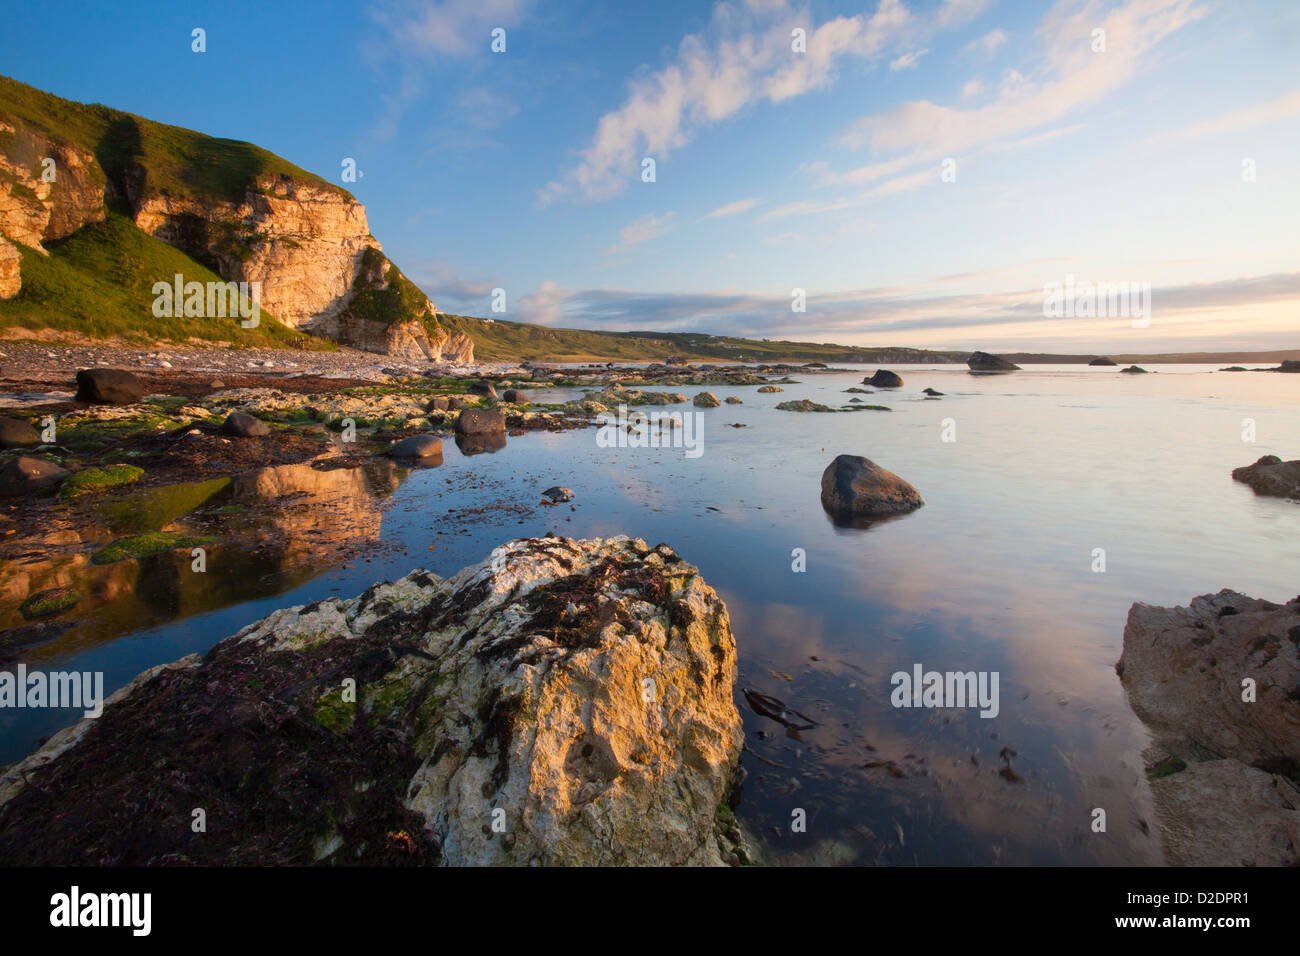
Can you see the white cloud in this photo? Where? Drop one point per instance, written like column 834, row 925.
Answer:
column 907, row 61
column 1276, row 109
column 989, row 43
column 447, row 28
column 743, row 57
column 733, row 208
column 972, row 89
column 646, row 228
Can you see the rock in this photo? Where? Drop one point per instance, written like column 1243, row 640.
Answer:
column 511, row 395
column 11, row 261
column 1288, row 366
column 802, row 405
column 517, row 685
column 481, row 421
column 243, row 425
column 1271, row 476
column 1236, row 801
column 733, row 400
column 707, row 400
column 675, row 360
column 18, row 433
column 216, row 383
column 483, row 388
column 1133, row 370
column 856, row 487
column 558, row 493
column 984, row 362
column 855, row 399
column 417, row 446
column 931, row 392
column 455, row 403
column 21, row 476
column 1101, row 360
column 108, row 386
column 768, row 389
column 884, row 379
column 439, row 404
column 1233, row 368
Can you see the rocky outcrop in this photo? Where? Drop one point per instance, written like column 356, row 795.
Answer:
column 563, row 703
column 984, row 362
column 11, row 263
column 1134, row 370
column 40, row 199
column 706, row 400
column 1270, row 475
column 884, row 378
column 1218, row 685
column 856, row 487
column 108, row 386
column 1102, row 360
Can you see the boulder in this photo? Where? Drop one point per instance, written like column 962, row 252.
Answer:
column 511, row 395
column 856, row 487
column 243, row 425
column 1102, row 360
column 558, row 493
column 439, row 404
column 984, row 362
column 1133, row 370
column 21, row 476
column 18, row 433
column 768, row 389
column 216, row 384
column 1224, row 776
column 733, row 400
column 108, row 386
column 1271, row 476
column 932, row 392
column 707, row 400
column 417, row 446
column 514, row 692
column 884, row 379
column 481, row 421
column 483, row 388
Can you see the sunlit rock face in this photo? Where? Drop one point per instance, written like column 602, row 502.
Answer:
column 1218, row 685
column 565, row 702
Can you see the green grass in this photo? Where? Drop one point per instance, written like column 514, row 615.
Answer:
column 98, row 282
column 91, row 480
column 397, row 300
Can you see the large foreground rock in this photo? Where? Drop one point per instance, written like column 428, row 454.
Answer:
column 1225, row 776
column 563, row 702
column 23, row 475
column 856, row 487
column 108, row 386
column 18, row 433
column 481, row 421
column 1271, row 476
column 984, row 362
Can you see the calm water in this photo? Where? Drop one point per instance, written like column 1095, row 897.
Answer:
column 994, row 574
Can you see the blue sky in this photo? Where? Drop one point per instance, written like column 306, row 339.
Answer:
column 776, row 170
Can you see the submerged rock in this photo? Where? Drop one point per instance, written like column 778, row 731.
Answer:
column 984, row 362
column 1271, row 476
column 108, row 386
column 1225, row 777
column 856, row 487
column 565, row 702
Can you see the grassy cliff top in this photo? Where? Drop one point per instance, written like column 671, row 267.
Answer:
column 178, row 161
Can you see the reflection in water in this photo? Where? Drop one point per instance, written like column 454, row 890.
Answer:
column 993, row 574
column 489, row 442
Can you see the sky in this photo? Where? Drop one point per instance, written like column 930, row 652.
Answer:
column 912, row 172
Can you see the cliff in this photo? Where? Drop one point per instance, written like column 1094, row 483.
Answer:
column 236, row 209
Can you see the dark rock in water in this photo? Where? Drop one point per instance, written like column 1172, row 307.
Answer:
column 706, row 400
column 108, row 386
column 984, row 362
column 856, row 487
column 439, row 404
column 483, row 388
column 1134, row 370
column 558, row 493
column 243, row 425
column 733, row 400
column 508, row 683
column 860, row 391
column 481, row 421
column 1102, row 360
column 1287, row 366
column 485, row 443
column 814, row 365
column 884, row 379
column 1232, row 368
column 803, row 405
column 510, row 395
column 24, row 475
column 18, row 433
column 767, row 389
column 1223, row 773
column 855, row 399
column 931, row 392
column 417, row 446
column 1271, row 476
